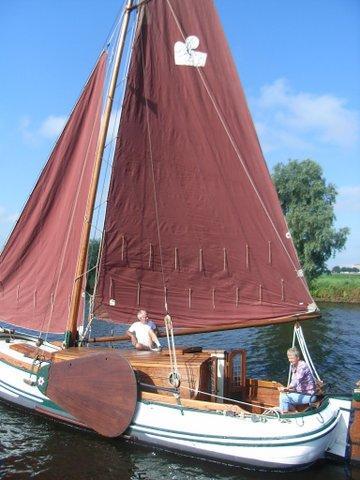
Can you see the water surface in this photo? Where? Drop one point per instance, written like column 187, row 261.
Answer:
column 33, row 447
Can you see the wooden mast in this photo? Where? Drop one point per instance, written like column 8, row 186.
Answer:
column 71, row 327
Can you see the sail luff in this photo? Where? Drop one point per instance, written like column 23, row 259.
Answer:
column 71, row 327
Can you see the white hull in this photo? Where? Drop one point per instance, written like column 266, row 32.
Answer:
column 255, row 440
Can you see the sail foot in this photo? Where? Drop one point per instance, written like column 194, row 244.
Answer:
column 199, row 305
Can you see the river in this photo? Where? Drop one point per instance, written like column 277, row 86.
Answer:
column 33, row 447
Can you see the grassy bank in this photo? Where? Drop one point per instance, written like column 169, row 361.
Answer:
column 336, row 288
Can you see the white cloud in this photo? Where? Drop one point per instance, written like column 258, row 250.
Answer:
column 272, row 137
column 299, row 119
column 52, row 126
column 6, row 217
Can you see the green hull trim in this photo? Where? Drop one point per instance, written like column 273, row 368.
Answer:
column 212, row 439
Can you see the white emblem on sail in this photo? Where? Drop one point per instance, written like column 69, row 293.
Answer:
column 184, row 53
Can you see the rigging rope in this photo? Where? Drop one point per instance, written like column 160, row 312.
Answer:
column 153, row 180
column 298, row 334
column 305, row 351
column 293, row 345
column 175, row 376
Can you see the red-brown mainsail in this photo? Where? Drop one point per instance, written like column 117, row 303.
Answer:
column 193, row 222
column 38, row 262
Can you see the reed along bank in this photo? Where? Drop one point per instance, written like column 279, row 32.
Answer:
column 338, row 287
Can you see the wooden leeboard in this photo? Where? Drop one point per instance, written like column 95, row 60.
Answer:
column 99, row 390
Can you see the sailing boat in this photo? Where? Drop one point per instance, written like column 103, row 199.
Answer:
column 193, row 232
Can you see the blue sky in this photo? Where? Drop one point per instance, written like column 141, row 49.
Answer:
column 299, row 63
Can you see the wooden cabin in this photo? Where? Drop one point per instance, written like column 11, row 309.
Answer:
column 206, row 374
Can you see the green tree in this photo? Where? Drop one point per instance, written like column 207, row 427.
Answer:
column 308, row 204
column 92, row 260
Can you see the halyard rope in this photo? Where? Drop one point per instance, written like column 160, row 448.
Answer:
column 174, row 375
column 153, row 177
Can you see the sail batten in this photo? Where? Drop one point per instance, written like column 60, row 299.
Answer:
column 190, row 191
column 37, row 265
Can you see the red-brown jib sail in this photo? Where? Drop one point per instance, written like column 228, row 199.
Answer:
column 38, row 262
column 193, row 222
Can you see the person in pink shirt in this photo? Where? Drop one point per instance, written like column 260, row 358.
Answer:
column 301, row 389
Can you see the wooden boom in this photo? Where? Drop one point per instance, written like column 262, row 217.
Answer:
column 190, row 331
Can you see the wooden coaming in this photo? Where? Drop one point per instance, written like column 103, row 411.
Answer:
column 19, row 363
column 31, row 351
column 191, row 403
column 153, row 368
column 261, row 392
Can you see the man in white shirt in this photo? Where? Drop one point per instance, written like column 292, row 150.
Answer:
column 142, row 336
